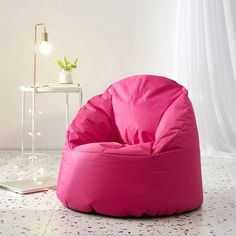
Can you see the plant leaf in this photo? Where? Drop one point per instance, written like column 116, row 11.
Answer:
column 60, row 63
column 75, row 62
column 65, row 62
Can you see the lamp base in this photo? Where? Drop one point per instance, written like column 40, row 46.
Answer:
column 26, row 186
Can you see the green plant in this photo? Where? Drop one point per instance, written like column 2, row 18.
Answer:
column 65, row 64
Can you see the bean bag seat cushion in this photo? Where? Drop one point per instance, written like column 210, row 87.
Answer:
column 133, row 151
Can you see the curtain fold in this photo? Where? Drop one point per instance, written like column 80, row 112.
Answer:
column 206, row 66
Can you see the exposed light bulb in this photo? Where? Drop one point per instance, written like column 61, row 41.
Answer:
column 16, row 167
column 41, row 172
column 39, row 112
column 45, row 47
column 33, row 157
column 20, row 175
column 31, row 134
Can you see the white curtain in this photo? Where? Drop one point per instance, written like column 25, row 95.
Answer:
column 206, row 65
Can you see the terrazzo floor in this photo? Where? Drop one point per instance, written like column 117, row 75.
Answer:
column 42, row 214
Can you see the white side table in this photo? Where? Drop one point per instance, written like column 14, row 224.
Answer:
column 50, row 88
column 30, row 185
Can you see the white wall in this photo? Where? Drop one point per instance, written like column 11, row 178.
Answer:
column 113, row 39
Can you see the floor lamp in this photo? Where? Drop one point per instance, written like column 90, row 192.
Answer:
column 44, row 48
column 32, row 185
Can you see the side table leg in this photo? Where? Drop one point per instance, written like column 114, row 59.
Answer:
column 67, row 110
column 22, row 123
column 33, row 125
column 80, row 98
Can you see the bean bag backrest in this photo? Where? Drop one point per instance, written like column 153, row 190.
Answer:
column 139, row 103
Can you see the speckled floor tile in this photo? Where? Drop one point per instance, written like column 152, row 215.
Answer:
column 25, row 214
column 43, row 214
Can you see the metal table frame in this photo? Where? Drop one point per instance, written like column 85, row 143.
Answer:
column 38, row 90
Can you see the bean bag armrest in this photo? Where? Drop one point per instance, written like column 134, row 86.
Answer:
column 177, row 120
column 93, row 123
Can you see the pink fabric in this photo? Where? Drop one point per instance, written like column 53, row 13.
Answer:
column 133, row 150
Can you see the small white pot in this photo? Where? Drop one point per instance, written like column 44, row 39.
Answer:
column 65, row 77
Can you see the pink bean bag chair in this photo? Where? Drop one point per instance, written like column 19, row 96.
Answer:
column 133, row 151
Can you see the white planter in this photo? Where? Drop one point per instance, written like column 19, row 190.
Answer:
column 65, row 77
